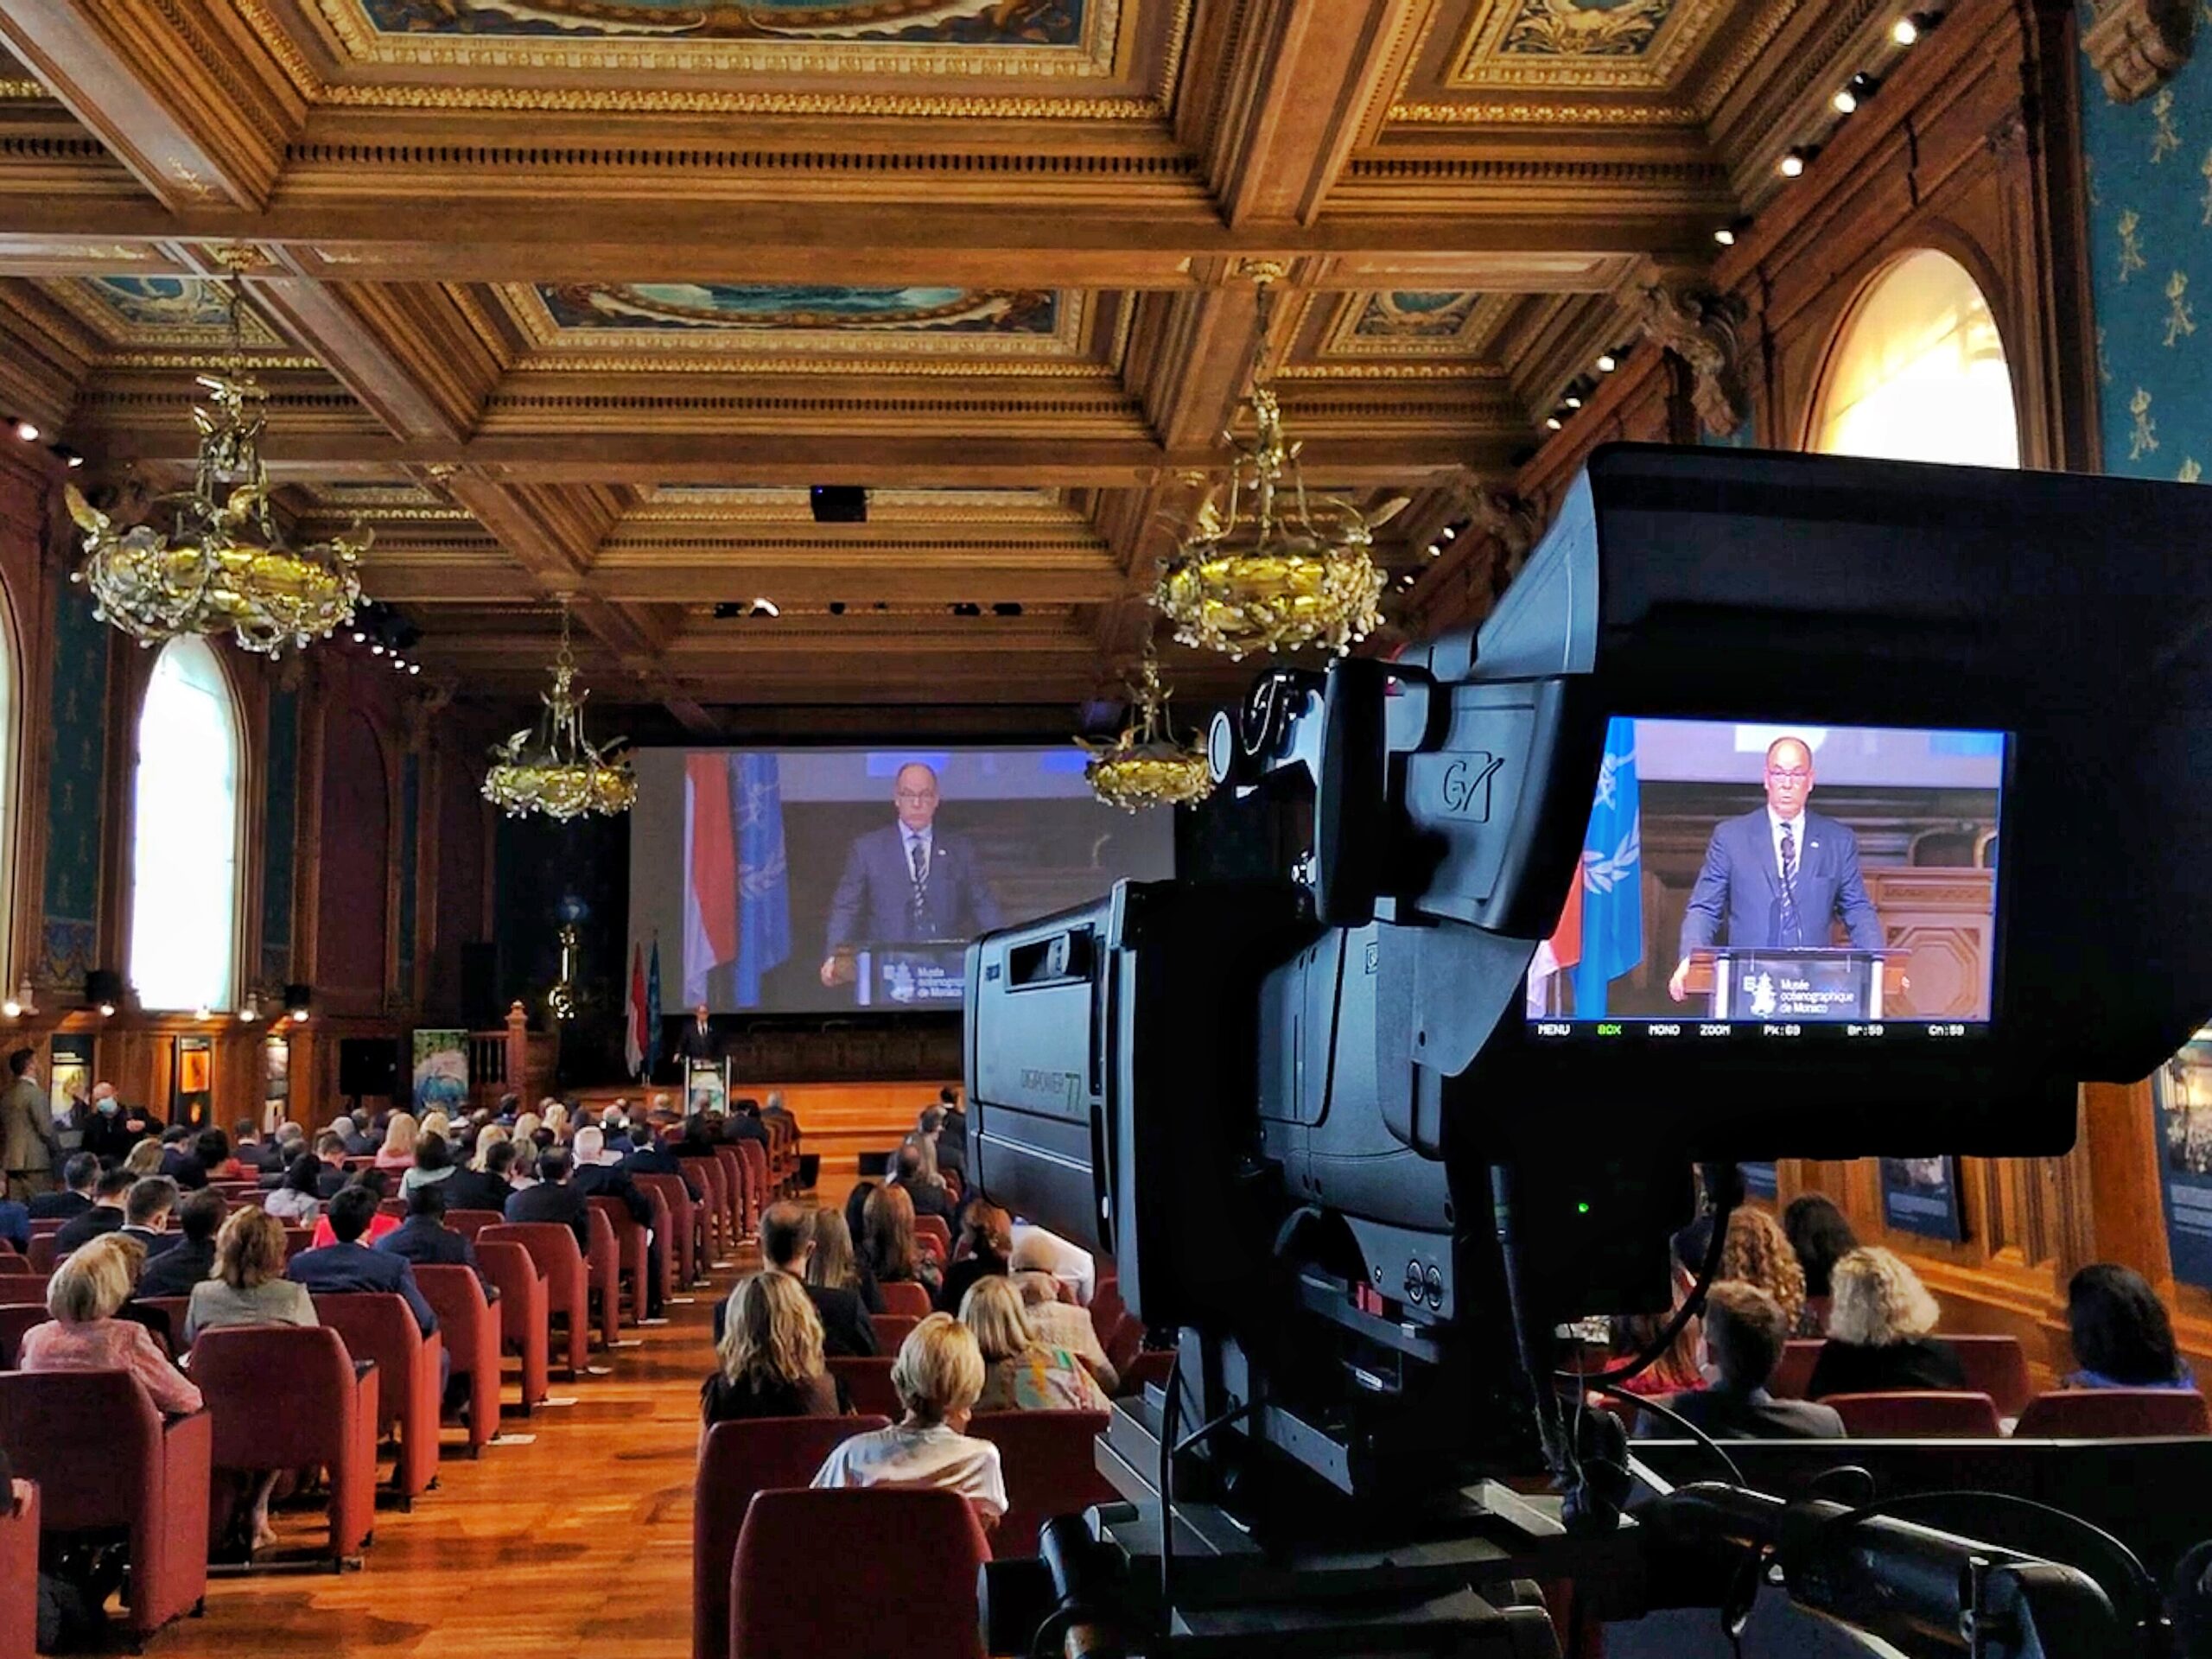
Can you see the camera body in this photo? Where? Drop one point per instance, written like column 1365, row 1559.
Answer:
column 1311, row 1119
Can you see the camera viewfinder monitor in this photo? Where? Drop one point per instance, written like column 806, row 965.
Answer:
column 1749, row 882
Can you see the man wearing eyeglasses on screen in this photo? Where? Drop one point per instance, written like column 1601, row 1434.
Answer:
column 908, row 881
column 1780, row 876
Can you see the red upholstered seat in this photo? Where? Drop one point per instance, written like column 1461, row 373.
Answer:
column 470, row 1331
column 791, row 1598
column 739, row 1459
column 469, row 1222
column 1051, row 1465
column 630, row 1253
column 378, row 1324
column 868, row 1382
column 47, row 1226
column 289, row 1396
column 175, row 1307
column 1123, row 1346
column 904, row 1298
column 1917, row 1414
column 1151, row 1365
column 2114, row 1415
column 104, row 1457
column 1996, row 1366
column 524, row 1326
column 754, row 1157
column 17, row 1317
column 892, row 1329
column 561, row 1265
column 44, row 1254
column 1106, row 1308
column 603, row 1263
column 688, row 1241
column 19, row 1571
column 1795, row 1371
column 745, row 1201
column 934, row 1227
column 17, row 1267
column 662, row 1229
column 297, row 1239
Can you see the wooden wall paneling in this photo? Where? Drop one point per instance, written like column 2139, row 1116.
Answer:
column 29, row 565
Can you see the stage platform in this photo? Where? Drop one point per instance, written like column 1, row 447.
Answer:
column 838, row 1121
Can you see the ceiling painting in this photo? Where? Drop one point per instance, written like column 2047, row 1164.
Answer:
column 1612, row 44
column 1423, row 323
column 161, row 311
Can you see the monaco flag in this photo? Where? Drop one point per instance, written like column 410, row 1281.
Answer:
column 636, row 1041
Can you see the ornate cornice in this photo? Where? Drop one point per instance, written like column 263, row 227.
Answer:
column 2137, row 46
column 1431, row 113
column 1701, row 327
column 703, row 101
column 23, row 91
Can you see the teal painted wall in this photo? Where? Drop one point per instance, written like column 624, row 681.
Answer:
column 280, row 856
column 2150, row 181
column 76, row 793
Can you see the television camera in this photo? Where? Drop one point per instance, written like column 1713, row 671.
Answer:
column 1313, row 1123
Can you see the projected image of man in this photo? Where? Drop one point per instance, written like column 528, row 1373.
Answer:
column 1779, row 877
column 909, row 881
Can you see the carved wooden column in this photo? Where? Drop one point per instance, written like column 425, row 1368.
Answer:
column 1703, row 330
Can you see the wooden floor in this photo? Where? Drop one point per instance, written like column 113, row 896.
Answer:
column 579, row 1543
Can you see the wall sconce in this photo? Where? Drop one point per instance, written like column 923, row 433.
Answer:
column 250, row 1011
column 104, row 991
column 20, row 1003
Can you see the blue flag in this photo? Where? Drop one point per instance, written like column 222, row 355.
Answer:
column 1612, row 876
column 652, row 1005
column 764, row 898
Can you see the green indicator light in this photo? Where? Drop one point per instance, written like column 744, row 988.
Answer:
column 1582, row 1209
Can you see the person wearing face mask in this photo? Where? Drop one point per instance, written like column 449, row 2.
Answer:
column 108, row 1136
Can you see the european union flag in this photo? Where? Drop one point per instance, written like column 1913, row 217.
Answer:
column 1612, row 876
column 763, row 897
column 652, row 1002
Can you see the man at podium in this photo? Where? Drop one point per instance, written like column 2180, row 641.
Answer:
column 1779, row 876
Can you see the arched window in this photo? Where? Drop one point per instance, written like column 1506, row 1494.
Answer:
column 184, row 851
column 1920, row 374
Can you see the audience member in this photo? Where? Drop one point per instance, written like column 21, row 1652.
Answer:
column 553, row 1198
column 373, row 1182
column 744, row 1123
column 146, row 1214
column 400, row 1135
column 434, row 1124
column 198, row 1159
column 360, row 1143
column 856, row 1209
column 2123, row 1336
column 79, row 1177
column 1063, row 1325
column 647, row 1156
column 938, row 1374
column 433, row 1164
column 1879, row 1322
column 483, row 1185
column 15, row 1225
column 1756, row 1252
column 110, row 1194
column 888, row 1245
column 988, row 1231
column 28, row 1148
column 174, row 1271
column 599, row 1174
column 330, row 1152
column 1745, row 1332
column 146, row 1157
column 1821, row 1237
column 248, row 1285
column 271, row 1154
column 770, row 1349
column 423, row 1238
column 836, row 1265
column 1022, row 1373
column 914, row 1171
column 85, row 1334
column 348, row 1264
column 109, row 1134
column 1037, row 1251
column 299, row 1201
column 788, row 1244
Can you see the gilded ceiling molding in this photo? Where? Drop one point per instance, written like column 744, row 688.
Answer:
column 23, row 91
column 1336, row 370
column 1431, row 113
column 598, row 363
column 2137, row 46
column 1747, row 45
column 1702, row 328
column 1632, row 45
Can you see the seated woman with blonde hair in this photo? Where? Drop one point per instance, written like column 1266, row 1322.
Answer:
column 1877, row 1331
column 248, row 1285
column 1021, row 1373
column 400, row 1135
column 85, row 1334
column 770, row 1356
column 939, row 1375
column 144, row 1158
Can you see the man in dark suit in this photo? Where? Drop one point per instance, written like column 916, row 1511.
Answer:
column 191, row 1258
column 1744, row 1330
column 554, row 1198
column 697, row 1040
column 112, row 1130
column 744, row 1123
column 351, row 1265
column 146, row 1215
column 907, row 881
column 330, row 1153
column 649, row 1157
column 599, row 1175
column 786, row 1243
column 1780, row 876
column 111, row 1193
column 78, row 1176
column 358, row 1144
column 423, row 1238
column 930, row 1198
column 482, row 1189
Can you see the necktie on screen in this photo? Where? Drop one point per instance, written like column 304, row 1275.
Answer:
column 1792, row 934
column 918, row 855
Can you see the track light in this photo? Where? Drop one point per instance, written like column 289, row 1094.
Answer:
column 1792, row 164
column 1724, row 237
column 1853, row 93
column 1573, row 401
column 27, row 431
column 67, row 456
column 414, row 667
column 1906, row 30
column 1435, row 548
column 1607, row 362
column 1551, row 423
column 1844, row 101
column 359, row 638
column 766, row 607
column 375, row 648
column 1450, row 532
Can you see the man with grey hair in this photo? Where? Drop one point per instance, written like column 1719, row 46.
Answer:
column 600, row 1174
column 1063, row 1325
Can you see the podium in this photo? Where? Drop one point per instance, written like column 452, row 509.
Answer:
column 1804, row 983
column 928, row 973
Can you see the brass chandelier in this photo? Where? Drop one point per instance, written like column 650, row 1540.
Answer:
column 224, row 567
column 1280, row 566
column 1146, row 766
column 553, row 768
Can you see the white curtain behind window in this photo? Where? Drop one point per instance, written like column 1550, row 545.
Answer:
column 184, row 851
column 1920, row 374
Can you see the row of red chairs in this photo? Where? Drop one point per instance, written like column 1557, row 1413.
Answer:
column 762, row 1584
column 2066, row 1414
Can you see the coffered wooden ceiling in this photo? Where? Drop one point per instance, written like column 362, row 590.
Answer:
column 578, row 295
